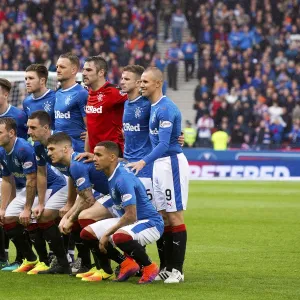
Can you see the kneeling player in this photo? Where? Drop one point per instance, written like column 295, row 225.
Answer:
column 139, row 225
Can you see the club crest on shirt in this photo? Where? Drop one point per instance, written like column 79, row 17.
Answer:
column 100, row 97
column 138, row 112
column 16, row 162
column 47, row 106
column 68, row 100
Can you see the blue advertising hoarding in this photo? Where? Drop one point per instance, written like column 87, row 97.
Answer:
column 206, row 163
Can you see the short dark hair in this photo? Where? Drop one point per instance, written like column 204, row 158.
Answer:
column 59, row 137
column 43, row 117
column 41, row 70
column 10, row 124
column 72, row 58
column 110, row 146
column 135, row 69
column 5, row 84
column 100, row 63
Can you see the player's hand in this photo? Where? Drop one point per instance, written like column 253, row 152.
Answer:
column 83, row 135
column 136, row 166
column 25, row 217
column 2, row 214
column 38, row 210
column 67, row 227
column 89, row 157
column 103, row 243
column 62, row 223
column 65, row 209
column 181, row 139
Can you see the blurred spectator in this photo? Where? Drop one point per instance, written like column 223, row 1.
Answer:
column 189, row 49
column 220, row 138
column 166, row 11
column 190, row 135
column 178, row 23
column 205, row 125
column 173, row 56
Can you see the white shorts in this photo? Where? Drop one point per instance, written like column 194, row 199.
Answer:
column 108, row 203
column 144, row 231
column 171, row 183
column 147, row 182
column 55, row 201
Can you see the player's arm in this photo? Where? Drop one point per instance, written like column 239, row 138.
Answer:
column 8, row 192
column 164, row 135
column 82, row 101
column 72, row 194
column 128, row 198
column 86, row 143
column 41, row 190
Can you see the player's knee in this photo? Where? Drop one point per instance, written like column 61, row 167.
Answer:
column 121, row 237
column 175, row 218
column 87, row 234
column 48, row 215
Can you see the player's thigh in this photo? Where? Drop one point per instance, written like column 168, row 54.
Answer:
column 16, row 206
column 144, row 231
column 148, row 184
column 56, row 198
column 170, row 182
column 96, row 212
column 100, row 228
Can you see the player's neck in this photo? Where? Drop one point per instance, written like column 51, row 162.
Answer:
column 110, row 170
column 98, row 84
column 10, row 145
column 40, row 92
column 133, row 95
column 66, row 160
column 44, row 141
column 66, row 84
column 155, row 97
column 3, row 108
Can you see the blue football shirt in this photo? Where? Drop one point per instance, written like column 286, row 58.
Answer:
column 20, row 117
column 69, row 111
column 45, row 102
column 164, row 128
column 136, row 132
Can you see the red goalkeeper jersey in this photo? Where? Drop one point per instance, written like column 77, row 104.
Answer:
column 104, row 113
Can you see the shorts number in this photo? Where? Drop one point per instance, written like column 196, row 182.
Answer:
column 168, row 195
column 149, row 194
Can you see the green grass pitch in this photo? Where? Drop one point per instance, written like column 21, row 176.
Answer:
column 243, row 243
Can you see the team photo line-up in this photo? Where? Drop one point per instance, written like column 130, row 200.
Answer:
column 98, row 168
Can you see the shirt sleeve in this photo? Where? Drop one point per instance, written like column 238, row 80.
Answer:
column 126, row 191
column 166, row 121
column 118, row 97
column 40, row 160
column 81, row 101
column 80, row 175
column 26, row 156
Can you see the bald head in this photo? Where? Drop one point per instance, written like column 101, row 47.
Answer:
column 156, row 73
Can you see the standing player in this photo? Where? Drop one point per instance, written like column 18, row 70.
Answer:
column 9, row 111
column 170, row 171
column 70, row 101
column 138, row 226
column 105, row 105
column 40, row 98
column 20, row 162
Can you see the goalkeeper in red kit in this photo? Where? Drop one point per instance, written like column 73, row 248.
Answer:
column 105, row 105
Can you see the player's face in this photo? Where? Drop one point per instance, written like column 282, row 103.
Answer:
column 5, row 135
column 129, row 82
column 56, row 152
column 33, row 82
column 89, row 73
column 148, row 84
column 102, row 158
column 64, row 69
column 3, row 96
column 35, row 130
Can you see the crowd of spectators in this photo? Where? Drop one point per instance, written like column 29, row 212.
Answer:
column 38, row 31
column 249, row 70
